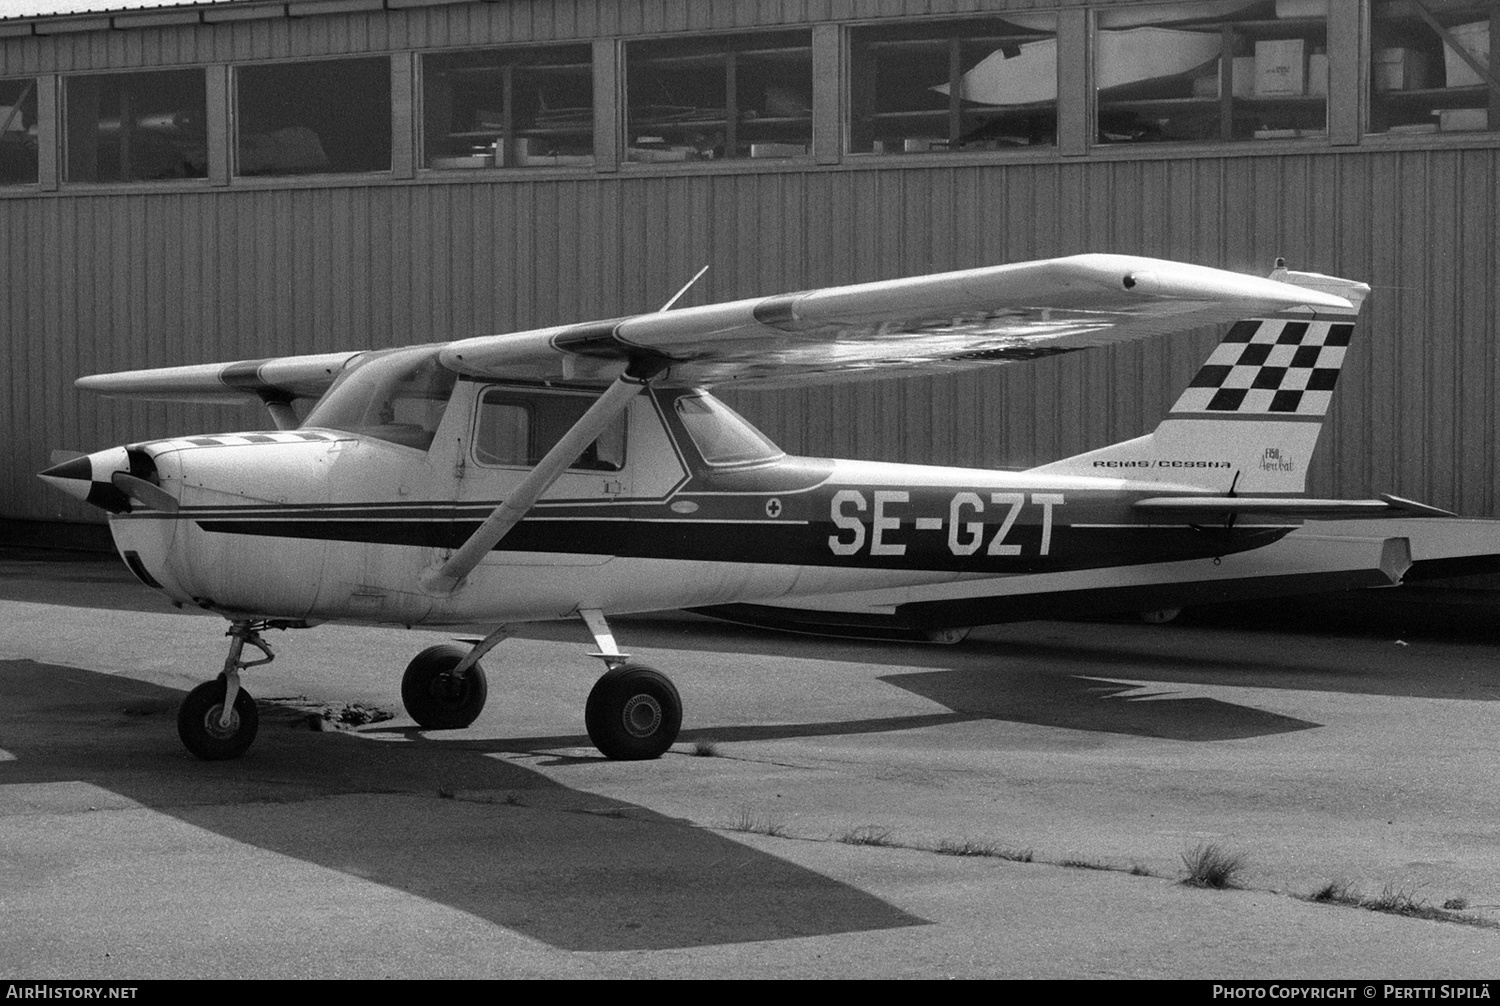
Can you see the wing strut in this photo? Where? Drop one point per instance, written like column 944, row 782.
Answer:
column 607, row 408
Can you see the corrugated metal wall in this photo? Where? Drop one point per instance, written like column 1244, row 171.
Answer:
column 123, row 279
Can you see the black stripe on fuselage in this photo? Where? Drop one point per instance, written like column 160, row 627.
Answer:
column 771, row 542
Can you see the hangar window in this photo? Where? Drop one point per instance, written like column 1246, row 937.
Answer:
column 728, row 96
column 1233, row 70
column 311, row 118
column 518, row 426
column 531, row 107
column 1431, row 69
column 972, row 84
column 18, row 158
column 136, row 127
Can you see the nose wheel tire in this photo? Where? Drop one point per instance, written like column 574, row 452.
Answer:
column 199, row 722
column 633, row 713
column 437, row 698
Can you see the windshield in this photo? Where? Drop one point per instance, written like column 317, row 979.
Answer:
column 721, row 435
column 398, row 397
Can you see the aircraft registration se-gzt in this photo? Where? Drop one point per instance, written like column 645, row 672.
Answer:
column 585, row 471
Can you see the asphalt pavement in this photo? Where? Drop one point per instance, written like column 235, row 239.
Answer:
column 1018, row 805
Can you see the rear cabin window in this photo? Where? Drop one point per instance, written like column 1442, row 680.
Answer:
column 518, row 426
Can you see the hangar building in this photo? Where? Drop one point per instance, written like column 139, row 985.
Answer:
column 197, row 180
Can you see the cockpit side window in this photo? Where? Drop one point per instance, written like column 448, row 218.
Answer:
column 518, row 426
column 398, row 397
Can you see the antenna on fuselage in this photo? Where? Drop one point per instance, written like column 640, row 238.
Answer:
column 678, row 295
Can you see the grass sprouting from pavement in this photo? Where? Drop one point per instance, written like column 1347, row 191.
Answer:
column 1211, row 865
column 1395, row 899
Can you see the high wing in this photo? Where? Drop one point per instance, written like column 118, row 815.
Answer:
column 925, row 324
column 279, row 379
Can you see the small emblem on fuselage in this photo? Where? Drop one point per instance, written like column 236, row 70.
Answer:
column 773, row 507
column 684, row 506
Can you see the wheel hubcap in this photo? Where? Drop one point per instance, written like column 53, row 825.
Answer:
column 211, row 722
column 642, row 715
column 452, row 689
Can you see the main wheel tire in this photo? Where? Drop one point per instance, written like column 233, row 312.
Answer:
column 198, row 722
column 633, row 713
column 437, row 698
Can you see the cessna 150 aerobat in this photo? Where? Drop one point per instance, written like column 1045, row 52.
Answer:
column 585, row 471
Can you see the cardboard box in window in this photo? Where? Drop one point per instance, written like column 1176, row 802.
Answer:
column 1458, row 119
column 1280, row 67
column 778, row 150
column 1398, row 69
column 1244, row 80
column 1475, row 38
column 446, row 162
column 1301, row 8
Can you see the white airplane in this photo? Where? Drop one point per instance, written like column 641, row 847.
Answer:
column 584, row 471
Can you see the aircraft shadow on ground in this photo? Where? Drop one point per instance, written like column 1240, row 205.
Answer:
column 1166, row 654
column 527, row 853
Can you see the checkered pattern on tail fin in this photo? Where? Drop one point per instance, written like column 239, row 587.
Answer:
column 1271, row 367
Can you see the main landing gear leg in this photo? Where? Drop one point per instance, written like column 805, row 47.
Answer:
column 633, row 712
column 218, row 719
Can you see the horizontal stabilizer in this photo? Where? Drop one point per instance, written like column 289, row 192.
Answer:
column 1210, row 508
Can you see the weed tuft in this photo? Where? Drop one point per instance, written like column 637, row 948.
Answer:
column 705, row 747
column 1395, row 899
column 867, row 835
column 758, row 824
column 1212, row 865
column 1084, row 864
column 1337, row 892
column 949, row 847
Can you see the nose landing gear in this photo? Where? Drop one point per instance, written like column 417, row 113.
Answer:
column 218, row 719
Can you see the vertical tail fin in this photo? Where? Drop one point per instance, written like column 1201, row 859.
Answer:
column 1250, row 419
